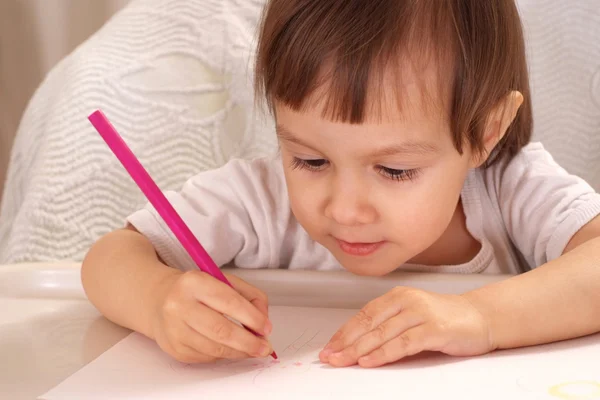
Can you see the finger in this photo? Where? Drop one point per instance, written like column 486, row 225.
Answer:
column 251, row 293
column 373, row 340
column 367, row 319
column 186, row 354
column 409, row 343
column 226, row 300
column 203, row 345
column 179, row 350
column 221, row 330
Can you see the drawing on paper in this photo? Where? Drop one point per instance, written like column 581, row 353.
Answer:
column 292, row 358
column 297, row 357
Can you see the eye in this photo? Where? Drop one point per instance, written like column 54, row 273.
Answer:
column 311, row 165
column 400, row 175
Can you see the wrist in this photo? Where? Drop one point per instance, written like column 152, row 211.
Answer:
column 156, row 292
column 486, row 314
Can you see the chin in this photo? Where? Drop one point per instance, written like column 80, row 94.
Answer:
column 366, row 268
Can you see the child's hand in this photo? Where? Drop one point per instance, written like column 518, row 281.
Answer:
column 189, row 323
column 405, row 322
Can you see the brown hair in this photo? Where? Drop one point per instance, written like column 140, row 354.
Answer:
column 347, row 44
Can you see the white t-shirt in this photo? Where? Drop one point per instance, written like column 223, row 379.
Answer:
column 523, row 216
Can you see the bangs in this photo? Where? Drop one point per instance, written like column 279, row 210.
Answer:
column 355, row 58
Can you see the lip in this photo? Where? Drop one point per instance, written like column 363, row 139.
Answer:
column 359, row 249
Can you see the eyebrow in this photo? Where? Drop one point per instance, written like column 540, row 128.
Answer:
column 284, row 134
column 414, row 148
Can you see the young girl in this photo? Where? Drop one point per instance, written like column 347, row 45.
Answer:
column 404, row 130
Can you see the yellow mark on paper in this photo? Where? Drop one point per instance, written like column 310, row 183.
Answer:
column 578, row 390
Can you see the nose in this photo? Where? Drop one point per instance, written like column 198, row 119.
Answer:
column 348, row 204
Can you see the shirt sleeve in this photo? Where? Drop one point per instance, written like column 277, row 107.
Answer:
column 237, row 212
column 542, row 205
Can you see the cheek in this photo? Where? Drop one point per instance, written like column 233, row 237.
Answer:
column 304, row 199
column 417, row 219
column 421, row 213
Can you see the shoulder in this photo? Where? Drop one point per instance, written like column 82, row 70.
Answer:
column 534, row 155
column 258, row 171
column 533, row 167
column 541, row 204
column 256, row 185
column 532, row 178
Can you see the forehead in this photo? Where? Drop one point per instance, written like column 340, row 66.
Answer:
column 391, row 126
column 409, row 135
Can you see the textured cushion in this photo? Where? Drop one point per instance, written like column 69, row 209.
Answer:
column 563, row 39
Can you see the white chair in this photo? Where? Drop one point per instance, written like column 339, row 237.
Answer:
column 175, row 79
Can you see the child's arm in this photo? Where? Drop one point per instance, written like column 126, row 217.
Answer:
column 120, row 273
column 183, row 311
column 559, row 300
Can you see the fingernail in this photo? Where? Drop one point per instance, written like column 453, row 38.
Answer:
column 330, row 346
column 268, row 328
column 264, row 350
column 336, row 355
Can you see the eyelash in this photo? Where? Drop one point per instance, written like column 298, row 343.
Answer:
column 400, row 175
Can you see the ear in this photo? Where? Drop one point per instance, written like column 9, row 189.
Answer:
column 498, row 121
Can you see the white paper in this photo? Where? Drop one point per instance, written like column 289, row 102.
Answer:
column 136, row 368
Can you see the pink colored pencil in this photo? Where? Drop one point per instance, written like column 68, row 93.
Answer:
column 156, row 197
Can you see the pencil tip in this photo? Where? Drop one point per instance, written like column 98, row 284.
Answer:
column 274, row 355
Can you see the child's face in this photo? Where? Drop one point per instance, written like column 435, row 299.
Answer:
column 376, row 194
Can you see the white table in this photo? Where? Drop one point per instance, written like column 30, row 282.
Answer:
column 48, row 330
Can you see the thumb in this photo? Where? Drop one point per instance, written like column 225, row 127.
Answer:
column 254, row 295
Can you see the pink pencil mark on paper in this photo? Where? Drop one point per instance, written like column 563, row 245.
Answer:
column 296, row 358
column 179, row 366
column 293, row 358
column 289, row 354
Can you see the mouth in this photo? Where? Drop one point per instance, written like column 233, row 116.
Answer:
column 359, row 249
